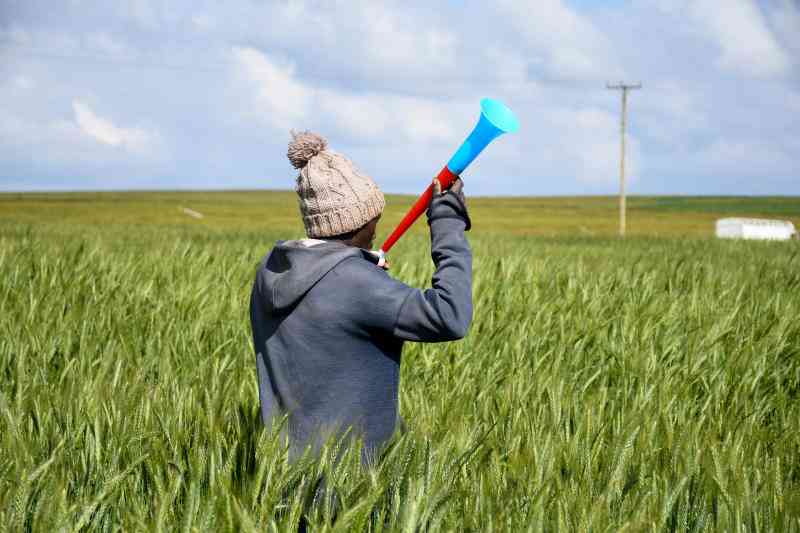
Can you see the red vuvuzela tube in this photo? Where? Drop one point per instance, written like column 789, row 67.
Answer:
column 446, row 178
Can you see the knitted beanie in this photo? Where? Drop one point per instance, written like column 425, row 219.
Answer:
column 335, row 197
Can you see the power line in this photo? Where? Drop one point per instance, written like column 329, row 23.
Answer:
column 624, row 88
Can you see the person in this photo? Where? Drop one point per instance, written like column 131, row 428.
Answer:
column 329, row 324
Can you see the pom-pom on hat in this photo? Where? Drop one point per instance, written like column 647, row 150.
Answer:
column 304, row 146
column 335, row 197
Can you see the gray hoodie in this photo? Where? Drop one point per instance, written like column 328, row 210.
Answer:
column 329, row 326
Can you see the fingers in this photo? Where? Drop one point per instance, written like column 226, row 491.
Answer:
column 456, row 187
column 386, row 265
column 437, row 187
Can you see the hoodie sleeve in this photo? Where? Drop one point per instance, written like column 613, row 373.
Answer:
column 441, row 313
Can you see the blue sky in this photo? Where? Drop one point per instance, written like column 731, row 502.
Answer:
column 143, row 94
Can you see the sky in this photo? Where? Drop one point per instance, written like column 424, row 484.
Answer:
column 145, row 94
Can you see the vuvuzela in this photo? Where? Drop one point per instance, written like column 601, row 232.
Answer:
column 495, row 120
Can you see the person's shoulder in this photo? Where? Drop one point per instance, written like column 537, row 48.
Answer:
column 369, row 287
column 360, row 266
column 360, row 275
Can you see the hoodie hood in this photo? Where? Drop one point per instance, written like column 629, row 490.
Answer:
column 293, row 267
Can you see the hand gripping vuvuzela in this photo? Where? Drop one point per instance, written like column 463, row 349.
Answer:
column 495, row 120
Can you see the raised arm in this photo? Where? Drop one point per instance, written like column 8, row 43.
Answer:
column 444, row 311
column 378, row 303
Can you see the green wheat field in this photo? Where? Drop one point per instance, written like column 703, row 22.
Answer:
column 644, row 384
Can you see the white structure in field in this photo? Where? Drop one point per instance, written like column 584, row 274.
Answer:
column 755, row 228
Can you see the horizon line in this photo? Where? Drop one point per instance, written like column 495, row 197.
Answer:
column 269, row 190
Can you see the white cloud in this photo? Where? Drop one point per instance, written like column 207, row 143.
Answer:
column 563, row 43
column 282, row 100
column 285, row 102
column 589, row 145
column 16, row 35
column 793, row 102
column 143, row 11
column 506, row 65
column 38, row 40
column 357, row 116
column 785, row 20
column 60, row 142
column 671, row 97
column 23, row 82
column 386, row 118
column 747, row 157
column 56, row 141
column 395, row 86
column 670, row 111
column 105, row 132
column 204, row 21
column 397, row 43
column 746, row 44
column 107, row 46
column 383, row 43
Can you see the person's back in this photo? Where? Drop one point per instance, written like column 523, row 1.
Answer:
column 329, row 324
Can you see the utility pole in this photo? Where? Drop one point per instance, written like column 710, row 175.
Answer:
column 624, row 88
